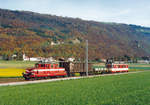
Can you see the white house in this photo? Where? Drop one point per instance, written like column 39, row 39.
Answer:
column 26, row 58
column 71, row 59
column 57, row 43
column 143, row 61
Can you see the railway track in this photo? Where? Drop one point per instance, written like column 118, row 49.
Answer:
column 60, row 79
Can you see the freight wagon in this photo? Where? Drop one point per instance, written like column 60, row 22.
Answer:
column 76, row 67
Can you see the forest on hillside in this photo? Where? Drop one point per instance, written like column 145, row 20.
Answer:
column 33, row 34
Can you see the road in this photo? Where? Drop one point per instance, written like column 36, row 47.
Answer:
column 60, row 79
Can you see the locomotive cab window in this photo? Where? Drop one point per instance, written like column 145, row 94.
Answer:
column 42, row 65
column 36, row 65
column 47, row 65
column 114, row 66
column 52, row 66
column 56, row 65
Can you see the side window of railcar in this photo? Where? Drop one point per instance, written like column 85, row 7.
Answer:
column 114, row 66
column 124, row 66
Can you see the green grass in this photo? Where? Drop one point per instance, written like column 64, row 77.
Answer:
column 128, row 89
column 16, row 64
column 137, row 67
column 140, row 68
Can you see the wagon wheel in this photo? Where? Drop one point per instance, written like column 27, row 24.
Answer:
column 27, row 78
column 32, row 79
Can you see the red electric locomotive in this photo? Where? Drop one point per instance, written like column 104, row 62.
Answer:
column 44, row 70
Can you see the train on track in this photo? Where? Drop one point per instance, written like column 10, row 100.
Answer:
column 63, row 69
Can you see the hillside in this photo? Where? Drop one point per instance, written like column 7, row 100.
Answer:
column 33, row 33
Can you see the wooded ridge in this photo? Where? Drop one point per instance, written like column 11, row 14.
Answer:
column 46, row 35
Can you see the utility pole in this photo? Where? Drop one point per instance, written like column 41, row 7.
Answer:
column 86, row 61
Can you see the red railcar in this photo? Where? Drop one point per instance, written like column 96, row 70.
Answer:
column 117, row 67
column 44, row 70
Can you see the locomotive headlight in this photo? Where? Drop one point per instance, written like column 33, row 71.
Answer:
column 23, row 73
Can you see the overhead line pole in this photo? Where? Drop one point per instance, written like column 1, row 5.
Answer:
column 86, row 61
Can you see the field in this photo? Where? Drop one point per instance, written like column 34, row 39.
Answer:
column 139, row 66
column 13, row 68
column 128, row 89
column 16, row 64
column 11, row 72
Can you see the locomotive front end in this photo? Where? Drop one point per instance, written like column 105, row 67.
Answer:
column 28, row 73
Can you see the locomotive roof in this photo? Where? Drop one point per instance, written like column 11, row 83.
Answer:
column 47, row 63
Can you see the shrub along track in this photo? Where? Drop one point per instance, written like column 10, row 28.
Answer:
column 21, row 81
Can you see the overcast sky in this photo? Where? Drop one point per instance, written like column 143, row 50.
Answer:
column 120, row 11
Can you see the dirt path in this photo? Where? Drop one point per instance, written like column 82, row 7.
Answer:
column 21, row 81
column 8, row 80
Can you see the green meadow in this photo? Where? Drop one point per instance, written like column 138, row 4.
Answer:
column 127, row 89
column 16, row 64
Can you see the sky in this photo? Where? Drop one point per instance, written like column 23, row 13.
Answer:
column 120, row 11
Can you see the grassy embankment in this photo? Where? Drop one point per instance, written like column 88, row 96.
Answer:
column 127, row 89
